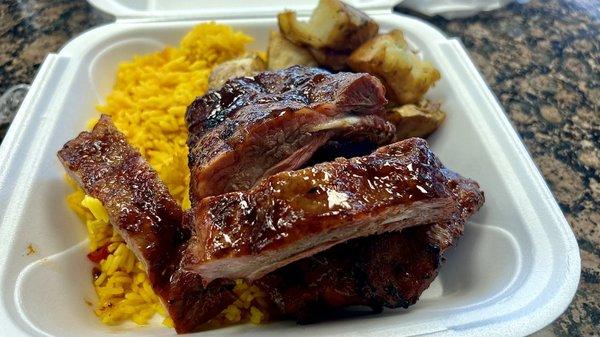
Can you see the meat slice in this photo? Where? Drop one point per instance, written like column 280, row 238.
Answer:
column 147, row 217
column 140, row 206
column 388, row 270
column 296, row 214
column 257, row 126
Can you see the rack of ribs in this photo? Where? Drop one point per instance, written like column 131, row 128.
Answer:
column 141, row 209
column 254, row 127
column 389, row 270
column 370, row 230
column 295, row 214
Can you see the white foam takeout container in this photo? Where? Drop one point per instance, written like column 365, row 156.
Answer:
column 514, row 271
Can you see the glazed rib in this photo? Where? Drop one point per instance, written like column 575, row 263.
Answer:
column 257, row 126
column 389, row 270
column 296, row 214
column 139, row 205
column 141, row 209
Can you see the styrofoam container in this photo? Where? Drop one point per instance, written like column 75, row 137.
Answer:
column 514, row 271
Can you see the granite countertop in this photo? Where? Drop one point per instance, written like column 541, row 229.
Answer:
column 541, row 60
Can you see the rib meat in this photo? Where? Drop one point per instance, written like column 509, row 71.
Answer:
column 296, row 214
column 257, row 126
column 388, row 270
column 146, row 216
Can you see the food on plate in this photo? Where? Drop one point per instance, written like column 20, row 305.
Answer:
column 152, row 91
column 339, row 36
column 387, row 56
column 333, row 25
column 146, row 216
column 296, row 214
column 294, row 200
column 416, row 120
column 246, row 65
column 282, row 53
column 256, row 126
column 137, row 202
column 388, row 270
column 334, row 30
column 148, row 104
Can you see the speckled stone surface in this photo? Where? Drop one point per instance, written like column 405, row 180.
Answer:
column 541, row 59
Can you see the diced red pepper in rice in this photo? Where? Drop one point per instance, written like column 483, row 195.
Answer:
column 99, row 254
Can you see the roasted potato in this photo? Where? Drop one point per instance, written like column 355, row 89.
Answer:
column 419, row 120
column 247, row 65
column 388, row 57
column 283, row 53
column 330, row 59
column 333, row 25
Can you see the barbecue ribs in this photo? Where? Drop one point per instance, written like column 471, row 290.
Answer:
column 254, row 127
column 296, row 214
column 388, row 270
column 144, row 213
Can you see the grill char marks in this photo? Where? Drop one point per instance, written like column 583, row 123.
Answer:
column 253, row 125
column 143, row 212
column 296, row 214
column 388, row 270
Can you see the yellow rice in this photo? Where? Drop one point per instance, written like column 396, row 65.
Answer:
column 148, row 104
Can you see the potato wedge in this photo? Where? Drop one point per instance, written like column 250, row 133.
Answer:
column 333, row 25
column 388, row 57
column 247, row 65
column 283, row 53
column 419, row 120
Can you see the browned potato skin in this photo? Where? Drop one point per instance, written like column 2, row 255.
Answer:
column 283, row 54
column 419, row 120
column 244, row 66
column 347, row 27
column 404, row 75
column 332, row 60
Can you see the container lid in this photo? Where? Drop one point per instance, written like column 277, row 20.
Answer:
column 154, row 10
